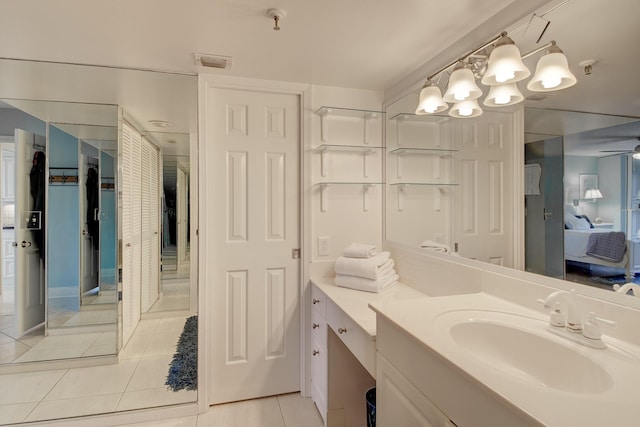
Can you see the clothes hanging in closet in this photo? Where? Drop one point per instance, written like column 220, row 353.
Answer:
column 37, row 188
column 93, row 206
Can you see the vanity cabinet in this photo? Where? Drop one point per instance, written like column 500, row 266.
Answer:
column 342, row 361
column 418, row 387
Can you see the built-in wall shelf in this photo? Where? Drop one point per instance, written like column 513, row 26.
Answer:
column 348, row 112
column 430, row 118
column 423, row 184
column 443, row 154
column 427, row 151
column 366, row 116
column 365, row 190
column 438, row 190
column 324, row 149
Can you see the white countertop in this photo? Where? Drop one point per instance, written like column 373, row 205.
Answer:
column 356, row 303
column 617, row 406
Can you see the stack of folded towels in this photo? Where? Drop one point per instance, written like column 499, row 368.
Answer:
column 361, row 267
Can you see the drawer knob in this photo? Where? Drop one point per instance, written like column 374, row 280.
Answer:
column 342, row 330
column 316, row 325
column 316, row 352
column 315, row 301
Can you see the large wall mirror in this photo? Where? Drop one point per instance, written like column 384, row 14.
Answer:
column 98, row 303
column 579, row 138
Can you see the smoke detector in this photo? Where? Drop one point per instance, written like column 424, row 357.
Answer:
column 212, row 61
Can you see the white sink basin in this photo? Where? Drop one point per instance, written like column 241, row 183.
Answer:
column 522, row 348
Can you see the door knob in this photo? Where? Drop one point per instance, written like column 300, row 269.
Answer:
column 342, row 330
column 316, row 352
column 14, row 244
column 25, row 244
column 316, row 326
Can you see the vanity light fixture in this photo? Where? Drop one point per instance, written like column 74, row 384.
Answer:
column 501, row 70
column 636, row 152
column 552, row 72
column 503, row 95
column 431, row 101
column 505, row 64
column 462, row 85
column 466, row 109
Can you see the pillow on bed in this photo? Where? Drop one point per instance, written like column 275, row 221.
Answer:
column 568, row 220
column 587, row 219
column 578, row 223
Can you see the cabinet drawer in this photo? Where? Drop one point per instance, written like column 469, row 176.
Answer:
column 357, row 340
column 319, row 300
column 319, row 370
column 318, row 329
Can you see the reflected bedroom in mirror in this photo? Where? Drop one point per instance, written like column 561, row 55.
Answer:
column 96, row 283
column 581, row 176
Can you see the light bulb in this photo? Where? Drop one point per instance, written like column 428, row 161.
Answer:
column 505, row 75
column 461, row 95
column 551, row 81
column 465, row 111
column 430, row 108
column 502, row 99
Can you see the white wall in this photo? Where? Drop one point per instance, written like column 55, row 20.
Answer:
column 344, row 219
column 612, row 182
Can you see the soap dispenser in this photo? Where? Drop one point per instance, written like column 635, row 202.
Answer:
column 557, row 318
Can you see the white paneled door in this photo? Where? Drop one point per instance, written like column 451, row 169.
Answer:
column 252, row 197
column 484, row 221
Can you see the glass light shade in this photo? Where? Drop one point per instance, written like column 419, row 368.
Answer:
column 593, row 193
column 636, row 155
column 431, row 101
column 505, row 66
column 462, row 86
column 552, row 73
column 503, row 95
column 465, row 109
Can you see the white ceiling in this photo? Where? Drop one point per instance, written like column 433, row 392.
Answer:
column 369, row 44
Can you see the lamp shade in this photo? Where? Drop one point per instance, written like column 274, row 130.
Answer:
column 462, row 86
column 552, row 72
column 503, row 95
column 593, row 193
column 505, row 65
column 466, row 109
column 431, row 101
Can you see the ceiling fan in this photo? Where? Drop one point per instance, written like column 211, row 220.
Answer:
column 635, row 151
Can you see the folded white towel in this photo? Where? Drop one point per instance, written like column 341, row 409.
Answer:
column 367, row 285
column 435, row 246
column 361, row 267
column 359, row 250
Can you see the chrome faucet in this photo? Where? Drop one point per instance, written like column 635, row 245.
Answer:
column 567, row 302
column 566, row 321
column 635, row 289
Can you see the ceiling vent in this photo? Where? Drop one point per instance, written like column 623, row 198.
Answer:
column 213, row 61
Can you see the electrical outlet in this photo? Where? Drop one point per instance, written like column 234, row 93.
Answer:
column 323, row 246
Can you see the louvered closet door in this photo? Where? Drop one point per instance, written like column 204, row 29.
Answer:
column 131, row 230
column 150, row 223
column 253, row 214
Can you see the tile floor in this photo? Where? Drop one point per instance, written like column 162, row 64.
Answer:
column 287, row 410
column 137, row 381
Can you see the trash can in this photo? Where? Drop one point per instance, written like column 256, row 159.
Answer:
column 370, row 397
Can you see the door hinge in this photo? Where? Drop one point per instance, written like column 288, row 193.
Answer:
column 455, row 247
column 295, row 253
column 119, row 295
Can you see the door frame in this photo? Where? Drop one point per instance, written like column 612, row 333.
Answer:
column 206, row 83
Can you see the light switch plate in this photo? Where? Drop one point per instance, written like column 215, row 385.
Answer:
column 323, row 246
